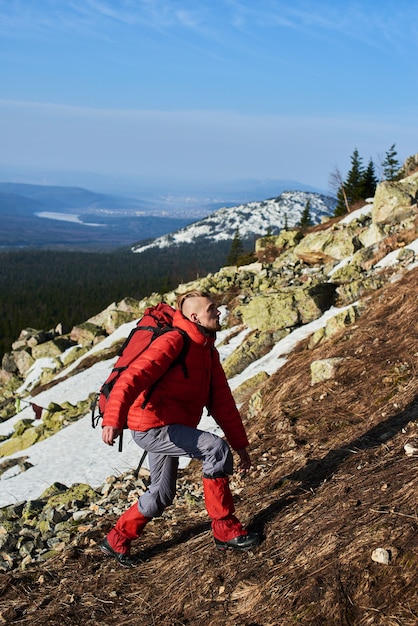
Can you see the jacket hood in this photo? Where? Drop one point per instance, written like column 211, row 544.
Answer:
column 192, row 330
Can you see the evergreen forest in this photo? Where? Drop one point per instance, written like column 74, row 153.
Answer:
column 361, row 182
column 40, row 289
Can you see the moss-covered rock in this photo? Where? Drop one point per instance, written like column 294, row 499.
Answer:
column 347, row 274
column 57, row 416
column 328, row 244
column 270, row 247
column 23, row 360
column 79, row 492
column 286, row 308
column 69, row 356
column 395, row 200
column 352, row 291
column 334, row 325
column 31, row 510
column 54, row 418
column 53, row 490
column 86, row 334
column 271, row 311
column 250, row 386
column 49, row 349
column 324, row 369
column 255, row 403
column 16, row 443
column 254, row 346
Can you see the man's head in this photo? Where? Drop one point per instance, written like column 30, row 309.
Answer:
column 199, row 308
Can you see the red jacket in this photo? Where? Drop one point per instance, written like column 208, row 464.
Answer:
column 176, row 399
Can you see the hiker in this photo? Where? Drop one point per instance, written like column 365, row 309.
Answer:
column 166, row 427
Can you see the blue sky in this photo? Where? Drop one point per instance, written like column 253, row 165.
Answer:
column 206, row 90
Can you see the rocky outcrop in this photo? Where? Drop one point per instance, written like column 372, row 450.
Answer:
column 31, row 345
column 333, row 244
column 409, row 167
column 268, row 248
column 117, row 314
column 254, row 346
column 286, row 308
column 34, row 531
column 395, row 201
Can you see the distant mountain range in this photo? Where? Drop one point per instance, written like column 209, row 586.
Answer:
column 44, row 216
column 253, row 219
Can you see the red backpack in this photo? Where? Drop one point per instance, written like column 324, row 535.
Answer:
column 156, row 321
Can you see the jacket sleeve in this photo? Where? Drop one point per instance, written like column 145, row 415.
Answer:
column 223, row 407
column 147, row 369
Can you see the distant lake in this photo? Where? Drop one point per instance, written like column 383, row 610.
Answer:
column 65, row 217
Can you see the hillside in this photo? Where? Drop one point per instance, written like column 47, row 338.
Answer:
column 250, row 219
column 320, row 347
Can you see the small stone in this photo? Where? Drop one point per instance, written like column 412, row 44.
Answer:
column 380, row 555
column 411, row 448
column 107, row 488
column 80, row 515
column 84, row 528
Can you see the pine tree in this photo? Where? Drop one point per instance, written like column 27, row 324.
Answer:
column 305, row 218
column 236, row 249
column 286, row 222
column 390, row 165
column 369, row 181
column 355, row 179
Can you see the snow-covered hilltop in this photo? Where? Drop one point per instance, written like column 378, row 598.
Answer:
column 250, row 219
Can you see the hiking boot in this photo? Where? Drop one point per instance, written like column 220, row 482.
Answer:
column 123, row 558
column 241, row 543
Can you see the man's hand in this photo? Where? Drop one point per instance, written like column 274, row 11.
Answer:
column 109, row 434
column 245, row 461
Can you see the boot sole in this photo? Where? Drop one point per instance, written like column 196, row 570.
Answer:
column 224, row 546
column 108, row 552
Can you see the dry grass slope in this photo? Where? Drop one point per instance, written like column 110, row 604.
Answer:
column 331, row 482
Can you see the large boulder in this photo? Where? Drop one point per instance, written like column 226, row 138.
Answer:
column 328, row 245
column 117, row 314
column 352, row 291
column 87, row 333
column 268, row 248
column 410, row 166
column 371, row 235
column 23, row 360
column 51, row 349
column 286, row 308
column 249, row 386
column 254, row 346
column 30, row 337
column 334, row 325
column 395, row 201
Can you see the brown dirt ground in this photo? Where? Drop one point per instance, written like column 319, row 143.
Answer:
column 331, row 482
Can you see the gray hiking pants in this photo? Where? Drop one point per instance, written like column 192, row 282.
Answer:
column 164, row 446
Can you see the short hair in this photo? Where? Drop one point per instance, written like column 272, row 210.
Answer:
column 194, row 293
